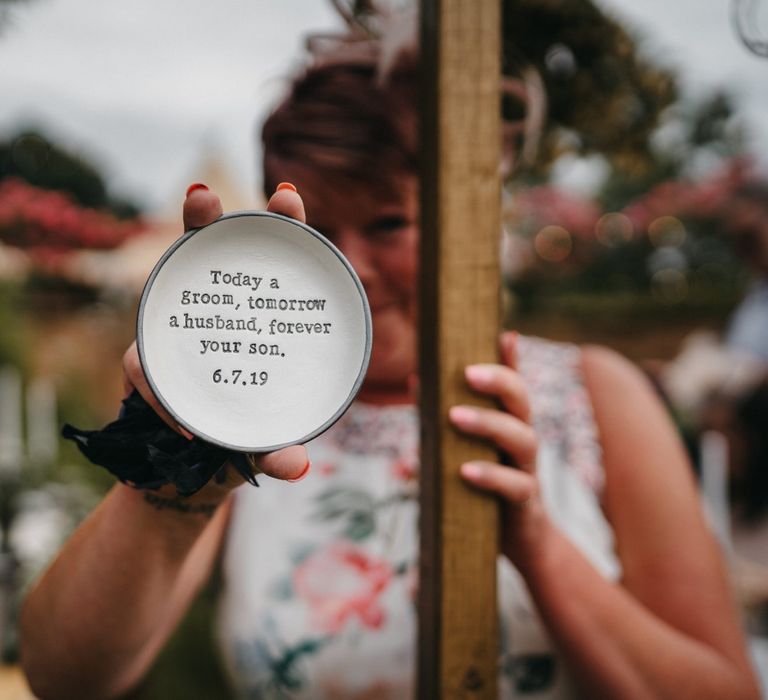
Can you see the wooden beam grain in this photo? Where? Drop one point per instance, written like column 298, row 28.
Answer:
column 461, row 138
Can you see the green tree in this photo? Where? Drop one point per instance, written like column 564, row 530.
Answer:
column 34, row 158
column 603, row 95
column 689, row 131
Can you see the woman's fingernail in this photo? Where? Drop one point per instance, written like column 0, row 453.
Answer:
column 303, row 473
column 286, row 186
column 463, row 415
column 510, row 340
column 185, row 432
column 196, row 186
column 472, row 470
column 481, row 374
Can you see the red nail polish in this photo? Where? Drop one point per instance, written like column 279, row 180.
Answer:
column 286, row 186
column 302, row 475
column 196, row 186
column 185, row 432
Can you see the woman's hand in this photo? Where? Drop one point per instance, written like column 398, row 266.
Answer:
column 201, row 207
column 524, row 521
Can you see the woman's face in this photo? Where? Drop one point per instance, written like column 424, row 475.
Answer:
column 379, row 236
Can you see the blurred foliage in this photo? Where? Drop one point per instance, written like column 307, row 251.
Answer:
column 33, row 157
column 700, row 278
column 689, row 132
column 605, row 98
column 650, row 242
column 602, row 95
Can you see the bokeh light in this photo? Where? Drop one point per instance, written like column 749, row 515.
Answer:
column 669, row 286
column 666, row 231
column 560, row 61
column 553, row 243
column 614, row 229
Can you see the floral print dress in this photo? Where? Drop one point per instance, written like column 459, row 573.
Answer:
column 321, row 577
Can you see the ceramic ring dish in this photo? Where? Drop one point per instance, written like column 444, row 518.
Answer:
column 254, row 332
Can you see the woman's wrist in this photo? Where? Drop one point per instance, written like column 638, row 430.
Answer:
column 180, row 505
column 534, row 554
column 165, row 502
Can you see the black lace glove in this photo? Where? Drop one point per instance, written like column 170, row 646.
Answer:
column 141, row 450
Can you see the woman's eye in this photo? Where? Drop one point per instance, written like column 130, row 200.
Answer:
column 388, row 224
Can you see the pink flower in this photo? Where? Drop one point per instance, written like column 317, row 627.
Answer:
column 50, row 224
column 694, row 199
column 342, row 581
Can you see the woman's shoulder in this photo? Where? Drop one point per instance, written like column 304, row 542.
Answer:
column 640, row 444
column 612, row 379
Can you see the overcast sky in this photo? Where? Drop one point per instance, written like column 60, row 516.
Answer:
column 143, row 87
column 697, row 38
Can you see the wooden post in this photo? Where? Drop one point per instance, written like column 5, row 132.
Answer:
column 461, row 140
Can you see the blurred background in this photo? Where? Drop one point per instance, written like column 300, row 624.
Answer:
column 635, row 215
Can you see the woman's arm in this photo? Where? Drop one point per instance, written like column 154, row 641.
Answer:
column 94, row 623
column 669, row 628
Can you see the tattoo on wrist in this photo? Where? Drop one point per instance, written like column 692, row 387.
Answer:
column 180, row 505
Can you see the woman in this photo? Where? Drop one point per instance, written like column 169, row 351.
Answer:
column 610, row 584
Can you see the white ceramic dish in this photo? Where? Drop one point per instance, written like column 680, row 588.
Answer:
column 254, row 332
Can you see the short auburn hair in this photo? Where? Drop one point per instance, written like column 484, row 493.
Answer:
column 346, row 122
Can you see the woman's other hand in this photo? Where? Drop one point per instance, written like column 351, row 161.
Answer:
column 202, row 207
column 524, row 521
